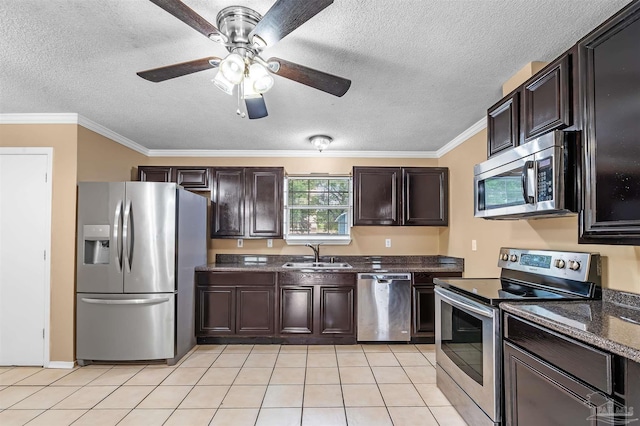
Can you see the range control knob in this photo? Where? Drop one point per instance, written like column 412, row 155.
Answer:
column 504, row 256
column 513, row 258
column 574, row 265
column 560, row 263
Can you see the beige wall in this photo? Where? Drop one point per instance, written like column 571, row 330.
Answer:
column 101, row 159
column 366, row 240
column 63, row 139
column 621, row 263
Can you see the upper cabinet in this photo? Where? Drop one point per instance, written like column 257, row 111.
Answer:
column 192, row 178
column 610, row 100
column 401, row 196
column 543, row 103
column 247, row 202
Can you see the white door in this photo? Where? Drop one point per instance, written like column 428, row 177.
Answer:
column 25, row 207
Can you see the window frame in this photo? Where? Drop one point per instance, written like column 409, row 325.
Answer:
column 292, row 239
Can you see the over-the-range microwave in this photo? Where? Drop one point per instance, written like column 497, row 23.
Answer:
column 540, row 178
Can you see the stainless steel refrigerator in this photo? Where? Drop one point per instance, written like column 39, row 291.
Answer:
column 137, row 246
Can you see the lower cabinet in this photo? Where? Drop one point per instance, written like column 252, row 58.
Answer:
column 423, row 306
column 550, row 379
column 317, row 307
column 235, row 304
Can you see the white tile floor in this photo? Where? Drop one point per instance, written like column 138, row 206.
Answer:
column 238, row 385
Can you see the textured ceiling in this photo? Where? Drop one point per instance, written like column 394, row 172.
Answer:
column 422, row 71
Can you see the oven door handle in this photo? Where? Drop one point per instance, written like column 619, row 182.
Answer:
column 465, row 303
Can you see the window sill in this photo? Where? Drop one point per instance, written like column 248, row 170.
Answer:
column 325, row 241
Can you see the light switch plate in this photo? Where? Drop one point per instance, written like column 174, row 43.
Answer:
column 269, row 243
column 387, row 242
column 240, row 243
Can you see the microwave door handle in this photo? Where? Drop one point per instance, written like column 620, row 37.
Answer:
column 528, row 199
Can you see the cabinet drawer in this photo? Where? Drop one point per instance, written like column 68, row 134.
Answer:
column 584, row 362
column 316, row 278
column 236, row 278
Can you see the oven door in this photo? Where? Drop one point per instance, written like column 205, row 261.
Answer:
column 468, row 347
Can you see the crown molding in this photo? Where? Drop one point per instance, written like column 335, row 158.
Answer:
column 475, row 128
column 73, row 118
column 289, row 153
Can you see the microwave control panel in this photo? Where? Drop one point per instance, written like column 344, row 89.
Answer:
column 545, row 179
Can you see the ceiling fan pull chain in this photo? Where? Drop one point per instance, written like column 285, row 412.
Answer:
column 238, row 111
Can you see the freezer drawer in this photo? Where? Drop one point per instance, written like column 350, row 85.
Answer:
column 125, row 327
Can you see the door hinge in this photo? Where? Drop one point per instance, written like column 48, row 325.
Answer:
column 45, row 178
column 43, row 333
column 45, row 255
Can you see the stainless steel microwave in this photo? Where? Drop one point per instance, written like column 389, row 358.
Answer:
column 537, row 179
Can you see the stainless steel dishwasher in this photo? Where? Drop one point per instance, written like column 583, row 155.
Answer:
column 384, row 307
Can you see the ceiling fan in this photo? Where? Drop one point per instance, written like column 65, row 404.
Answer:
column 245, row 33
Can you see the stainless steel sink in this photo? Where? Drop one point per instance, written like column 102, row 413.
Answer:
column 316, row 265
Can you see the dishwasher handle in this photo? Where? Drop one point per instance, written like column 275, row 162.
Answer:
column 385, row 277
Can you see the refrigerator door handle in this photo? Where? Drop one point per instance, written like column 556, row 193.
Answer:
column 117, row 224
column 127, row 235
column 126, row 301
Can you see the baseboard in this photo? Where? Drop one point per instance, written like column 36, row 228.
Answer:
column 61, row 364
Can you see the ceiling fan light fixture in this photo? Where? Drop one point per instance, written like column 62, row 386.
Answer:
column 223, row 84
column 320, row 142
column 232, row 68
column 260, row 78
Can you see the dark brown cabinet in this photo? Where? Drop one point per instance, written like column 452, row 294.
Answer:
column 544, row 384
column 609, row 88
column 503, row 124
column 317, row 307
column 401, row 196
column 247, row 202
column 423, row 306
column 543, row 103
column 235, row 304
column 192, row 178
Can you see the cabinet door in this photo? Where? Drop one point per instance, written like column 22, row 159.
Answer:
column 424, row 316
column 336, row 310
column 155, row 174
column 228, row 203
column 195, row 178
column 296, row 310
column 547, row 103
column 426, row 196
column 215, row 307
column 376, row 195
column 609, row 86
column 536, row 393
column 255, row 310
column 503, row 128
column 265, row 202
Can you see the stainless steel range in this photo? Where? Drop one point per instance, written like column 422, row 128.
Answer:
column 468, row 321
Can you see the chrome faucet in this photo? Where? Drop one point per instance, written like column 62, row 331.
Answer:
column 316, row 252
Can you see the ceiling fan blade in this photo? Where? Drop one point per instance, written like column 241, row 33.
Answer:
column 188, row 16
column 337, row 86
column 178, row 70
column 256, row 108
column 284, row 17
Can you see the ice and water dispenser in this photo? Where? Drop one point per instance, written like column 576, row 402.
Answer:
column 96, row 244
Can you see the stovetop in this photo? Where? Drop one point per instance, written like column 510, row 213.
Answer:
column 534, row 275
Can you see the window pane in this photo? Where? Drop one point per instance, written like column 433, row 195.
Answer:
column 339, row 185
column 298, row 198
column 339, row 198
column 318, row 185
column 318, row 198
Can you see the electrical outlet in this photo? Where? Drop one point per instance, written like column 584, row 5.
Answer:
column 387, row 242
column 474, row 245
column 240, row 243
column 269, row 243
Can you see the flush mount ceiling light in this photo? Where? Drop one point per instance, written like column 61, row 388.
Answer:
column 245, row 34
column 320, row 142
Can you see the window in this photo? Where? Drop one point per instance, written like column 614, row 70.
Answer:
column 318, row 209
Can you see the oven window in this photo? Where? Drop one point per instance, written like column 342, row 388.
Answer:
column 503, row 190
column 462, row 343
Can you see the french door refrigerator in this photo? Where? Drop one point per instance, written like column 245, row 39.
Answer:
column 137, row 246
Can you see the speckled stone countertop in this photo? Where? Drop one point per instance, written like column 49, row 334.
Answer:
column 440, row 264
column 612, row 324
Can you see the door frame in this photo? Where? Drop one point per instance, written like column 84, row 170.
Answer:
column 47, row 210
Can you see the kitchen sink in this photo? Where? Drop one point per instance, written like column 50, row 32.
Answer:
column 316, row 265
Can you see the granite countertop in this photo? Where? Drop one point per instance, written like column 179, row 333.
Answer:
column 263, row 263
column 612, row 324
